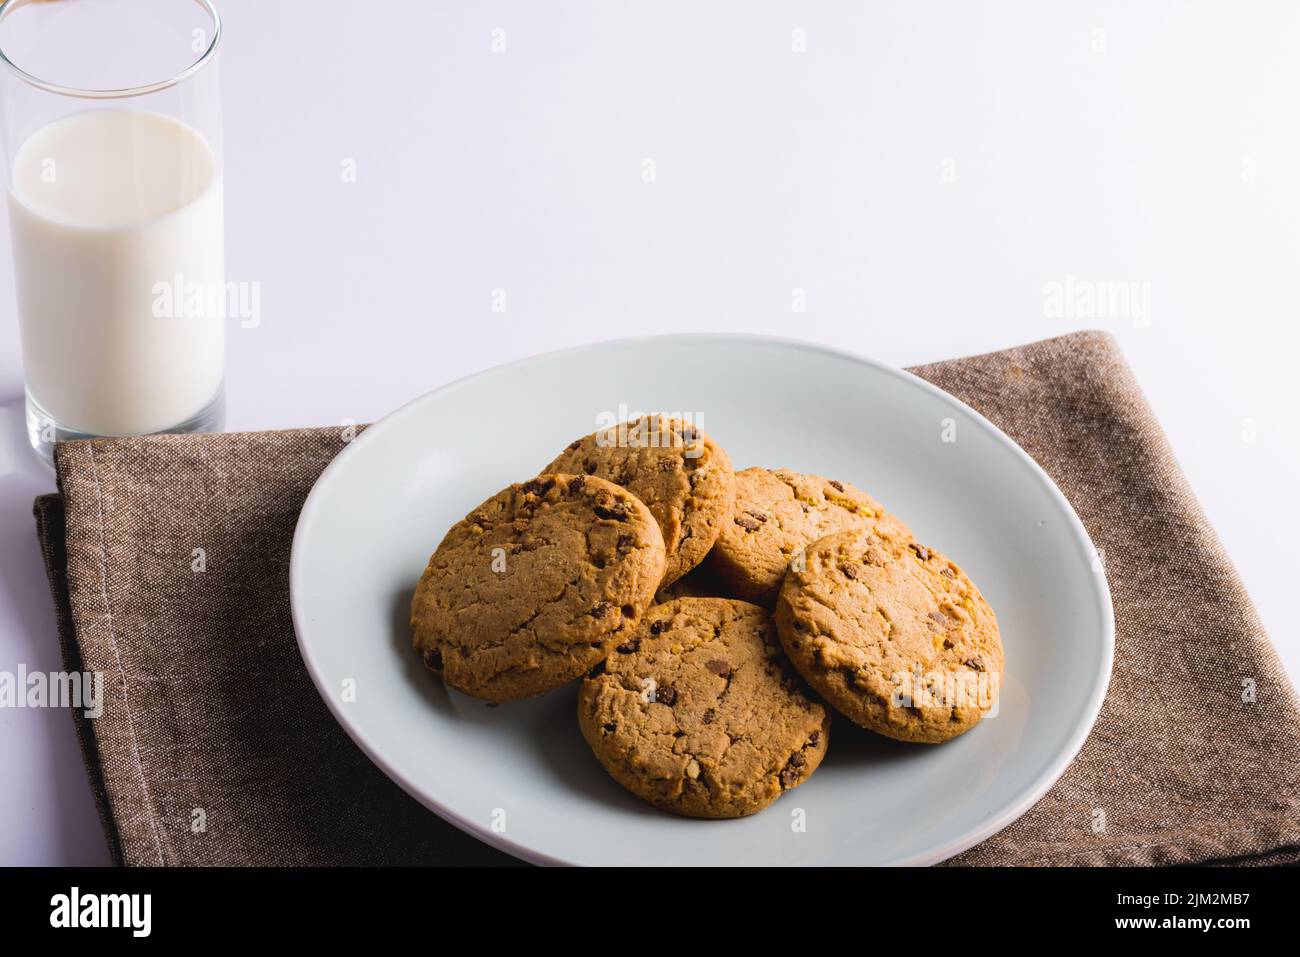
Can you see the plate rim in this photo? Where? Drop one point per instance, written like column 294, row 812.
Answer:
column 1007, row 816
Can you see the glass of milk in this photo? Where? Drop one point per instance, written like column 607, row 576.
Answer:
column 111, row 125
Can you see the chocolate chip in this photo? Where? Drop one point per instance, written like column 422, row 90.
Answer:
column 609, row 727
column 538, row 486
column 922, row 552
column 947, row 573
column 747, row 523
column 626, row 541
column 758, row 515
column 589, row 468
column 629, row 647
column 598, row 610
column 814, row 737
column 656, row 627
column 433, row 659
column 575, row 485
column 947, row 644
column 938, row 616
column 790, row 773
column 617, row 513
column 973, row 664
column 850, row 571
column 719, row 667
column 573, row 445
column 837, row 486
column 710, row 716
column 624, row 478
column 629, row 611
column 597, row 670
column 666, row 696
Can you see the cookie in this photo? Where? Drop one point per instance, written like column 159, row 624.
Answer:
column 698, row 713
column 777, row 514
column 893, row 635
column 679, row 472
column 535, row 586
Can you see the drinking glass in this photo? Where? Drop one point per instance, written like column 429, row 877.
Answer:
column 110, row 117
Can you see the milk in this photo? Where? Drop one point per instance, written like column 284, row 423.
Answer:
column 107, row 209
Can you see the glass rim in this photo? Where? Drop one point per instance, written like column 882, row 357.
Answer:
column 9, row 6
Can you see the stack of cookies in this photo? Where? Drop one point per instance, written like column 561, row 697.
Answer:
column 717, row 617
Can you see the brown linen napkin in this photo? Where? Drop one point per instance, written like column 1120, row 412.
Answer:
column 214, row 747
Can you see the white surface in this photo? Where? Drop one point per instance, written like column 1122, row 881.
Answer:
column 871, row 802
column 1169, row 159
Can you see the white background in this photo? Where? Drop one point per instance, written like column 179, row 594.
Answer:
column 921, row 171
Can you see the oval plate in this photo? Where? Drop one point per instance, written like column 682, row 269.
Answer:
column 382, row 506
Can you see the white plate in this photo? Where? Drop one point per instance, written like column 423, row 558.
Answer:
column 520, row 777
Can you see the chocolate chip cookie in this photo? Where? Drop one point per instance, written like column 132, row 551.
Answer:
column 777, row 514
column 893, row 635
column 679, row 472
column 697, row 712
column 536, row 585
